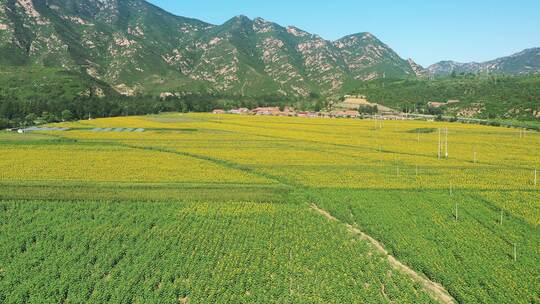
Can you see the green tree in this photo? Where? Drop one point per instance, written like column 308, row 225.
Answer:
column 48, row 117
column 317, row 107
column 30, row 119
column 4, row 123
column 314, row 95
column 8, row 109
column 67, row 115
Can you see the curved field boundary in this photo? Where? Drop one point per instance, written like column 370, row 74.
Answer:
column 436, row 290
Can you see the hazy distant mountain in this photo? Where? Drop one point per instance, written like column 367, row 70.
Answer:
column 134, row 45
column 522, row 63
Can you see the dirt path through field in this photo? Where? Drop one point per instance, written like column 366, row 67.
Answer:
column 436, row 290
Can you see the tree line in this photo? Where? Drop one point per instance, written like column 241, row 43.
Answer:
column 41, row 108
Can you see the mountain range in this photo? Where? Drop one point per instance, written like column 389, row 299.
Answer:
column 522, row 63
column 135, row 46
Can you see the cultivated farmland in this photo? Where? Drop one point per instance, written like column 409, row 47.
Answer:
column 204, row 208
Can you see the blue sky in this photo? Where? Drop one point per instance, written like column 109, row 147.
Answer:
column 425, row 30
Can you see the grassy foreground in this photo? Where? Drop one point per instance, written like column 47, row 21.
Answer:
column 216, row 209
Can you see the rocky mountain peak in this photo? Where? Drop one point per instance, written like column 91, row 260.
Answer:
column 239, row 56
column 240, row 19
column 293, row 30
column 136, row 46
column 261, row 26
column 418, row 70
column 521, row 63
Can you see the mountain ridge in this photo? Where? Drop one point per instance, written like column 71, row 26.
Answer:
column 137, row 47
column 521, row 63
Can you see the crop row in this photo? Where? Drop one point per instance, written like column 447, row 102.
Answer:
column 170, row 252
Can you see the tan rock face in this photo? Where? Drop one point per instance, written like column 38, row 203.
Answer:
column 215, row 41
column 294, row 61
column 28, row 6
column 136, row 31
column 124, row 89
column 262, row 26
column 122, row 41
column 164, row 95
column 31, row 11
column 76, row 20
column 296, row 32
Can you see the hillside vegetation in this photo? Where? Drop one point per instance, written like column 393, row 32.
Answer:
column 58, row 56
column 487, row 97
column 136, row 45
column 32, row 95
column 35, row 94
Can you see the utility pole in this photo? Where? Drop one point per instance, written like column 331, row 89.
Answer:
column 501, row 222
column 535, row 177
column 446, row 154
column 456, row 205
column 439, row 149
column 515, row 252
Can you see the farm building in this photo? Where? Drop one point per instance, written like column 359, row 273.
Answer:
column 289, row 111
column 266, row 111
column 436, row 104
column 239, row 111
column 346, row 114
column 353, row 102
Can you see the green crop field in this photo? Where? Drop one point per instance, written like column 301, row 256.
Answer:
column 203, row 208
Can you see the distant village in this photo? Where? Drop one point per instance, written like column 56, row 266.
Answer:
column 350, row 106
column 289, row 111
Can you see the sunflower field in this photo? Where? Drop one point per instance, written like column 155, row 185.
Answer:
column 202, row 208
